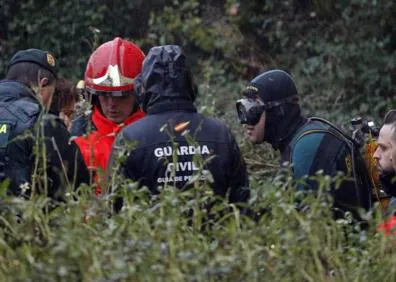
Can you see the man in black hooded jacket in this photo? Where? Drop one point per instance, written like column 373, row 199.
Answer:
column 34, row 148
column 175, row 145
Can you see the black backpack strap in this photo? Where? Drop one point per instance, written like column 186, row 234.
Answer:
column 363, row 183
column 335, row 129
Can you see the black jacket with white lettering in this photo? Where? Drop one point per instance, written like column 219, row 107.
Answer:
column 22, row 150
column 176, row 145
column 173, row 144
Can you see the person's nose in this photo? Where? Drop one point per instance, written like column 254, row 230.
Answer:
column 376, row 155
column 112, row 102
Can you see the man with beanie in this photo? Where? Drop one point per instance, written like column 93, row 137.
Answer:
column 174, row 145
column 270, row 112
column 35, row 154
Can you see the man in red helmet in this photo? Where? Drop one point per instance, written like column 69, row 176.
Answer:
column 109, row 82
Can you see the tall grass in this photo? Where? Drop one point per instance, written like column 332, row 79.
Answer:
column 157, row 238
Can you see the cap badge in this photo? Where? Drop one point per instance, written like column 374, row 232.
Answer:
column 50, row 60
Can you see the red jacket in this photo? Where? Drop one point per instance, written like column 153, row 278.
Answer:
column 388, row 226
column 96, row 145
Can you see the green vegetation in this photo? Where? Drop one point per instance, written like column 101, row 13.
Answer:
column 343, row 57
column 153, row 239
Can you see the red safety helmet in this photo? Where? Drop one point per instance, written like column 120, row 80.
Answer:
column 112, row 67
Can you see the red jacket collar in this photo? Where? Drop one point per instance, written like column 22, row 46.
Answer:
column 105, row 126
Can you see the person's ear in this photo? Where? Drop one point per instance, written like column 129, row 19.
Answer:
column 44, row 82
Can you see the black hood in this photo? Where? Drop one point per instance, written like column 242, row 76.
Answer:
column 165, row 80
column 281, row 124
column 282, row 121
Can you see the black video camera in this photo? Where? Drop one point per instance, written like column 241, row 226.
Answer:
column 361, row 128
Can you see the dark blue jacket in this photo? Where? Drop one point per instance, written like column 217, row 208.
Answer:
column 24, row 130
column 173, row 144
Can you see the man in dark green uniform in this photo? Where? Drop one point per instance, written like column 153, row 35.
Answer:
column 271, row 113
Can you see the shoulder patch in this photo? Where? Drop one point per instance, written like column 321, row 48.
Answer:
column 5, row 130
column 181, row 126
column 348, row 164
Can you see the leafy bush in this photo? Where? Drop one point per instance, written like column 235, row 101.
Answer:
column 339, row 52
column 153, row 239
column 342, row 55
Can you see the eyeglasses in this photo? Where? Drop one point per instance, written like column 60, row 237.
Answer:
column 250, row 110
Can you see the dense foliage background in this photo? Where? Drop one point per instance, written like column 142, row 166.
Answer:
column 342, row 55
